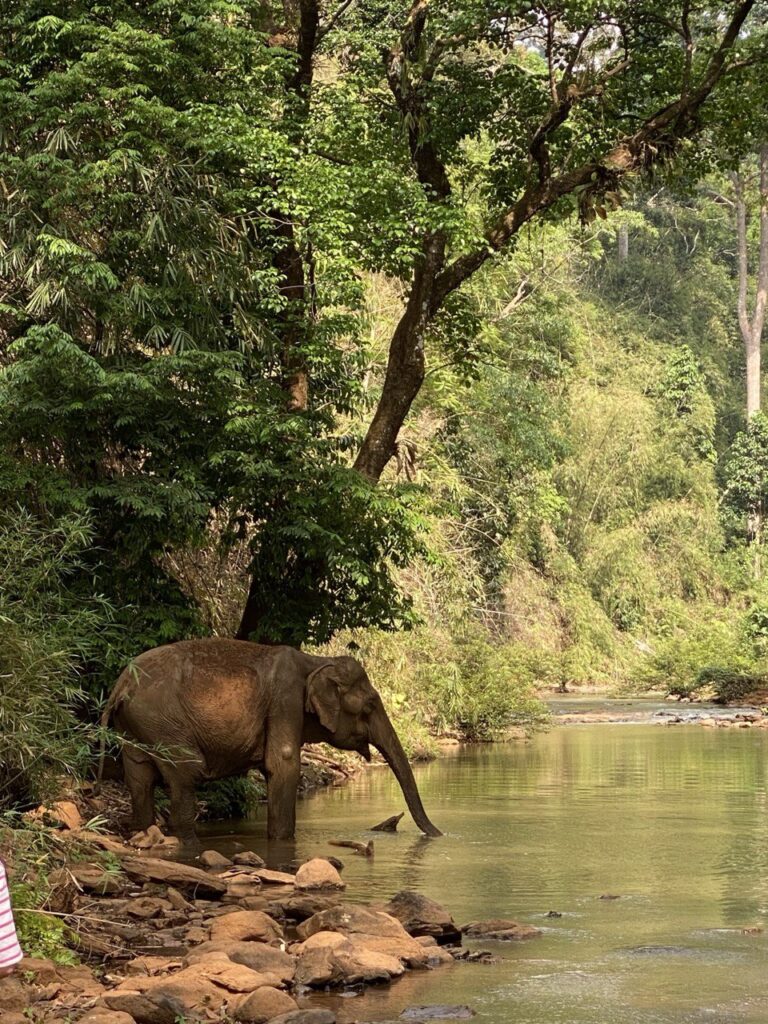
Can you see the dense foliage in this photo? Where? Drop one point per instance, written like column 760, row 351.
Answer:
column 314, row 318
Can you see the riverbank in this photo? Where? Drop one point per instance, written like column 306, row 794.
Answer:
column 594, row 709
column 161, row 940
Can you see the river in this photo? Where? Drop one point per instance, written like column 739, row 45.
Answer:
column 673, row 821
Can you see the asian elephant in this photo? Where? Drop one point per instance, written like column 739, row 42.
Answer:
column 213, row 708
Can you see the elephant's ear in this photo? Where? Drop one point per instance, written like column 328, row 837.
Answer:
column 322, row 696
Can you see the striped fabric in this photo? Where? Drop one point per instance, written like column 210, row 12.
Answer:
column 10, row 951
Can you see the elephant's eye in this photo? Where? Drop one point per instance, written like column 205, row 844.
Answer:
column 369, row 706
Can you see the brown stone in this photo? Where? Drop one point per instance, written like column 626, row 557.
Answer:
column 14, row 998
column 500, row 928
column 147, row 907
column 177, row 900
column 89, row 877
column 65, row 814
column 305, row 1017
column 302, row 906
column 318, row 874
column 149, row 965
column 371, row 929
column 274, row 877
column 182, row 876
column 244, row 925
column 344, row 963
column 263, row 1005
column 98, row 1015
column 256, row 955
column 214, row 860
column 249, row 859
column 420, row 915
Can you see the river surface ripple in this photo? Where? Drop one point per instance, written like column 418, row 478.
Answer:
column 673, row 821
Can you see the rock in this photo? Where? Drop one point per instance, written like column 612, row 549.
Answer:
column 90, row 877
column 181, row 876
column 389, row 824
column 300, row 906
column 177, row 900
column 242, row 888
column 609, row 896
column 420, row 915
column 320, row 940
column 318, row 874
column 274, row 877
column 98, row 1015
column 65, row 814
column 500, row 928
column 371, row 929
column 345, row 963
column 195, row 935
column 14, row 998
column 254, row 903
column 264, row 1005
column 150, row 838
column 149, row 965
column 553, row 913
column 246, row 925
column 214, row 860
column 437, row 1013
column 305, row 1017
column 249, row 859
column 256, row 955
column 147, row 907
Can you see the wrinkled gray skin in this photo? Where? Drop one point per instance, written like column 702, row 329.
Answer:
column 210, row 709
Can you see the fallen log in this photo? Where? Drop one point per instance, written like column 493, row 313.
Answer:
column 389, row 824
column 364, row 849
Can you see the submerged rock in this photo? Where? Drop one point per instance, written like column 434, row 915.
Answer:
column 502, row 929
column 420, row 915
column 437, row 1012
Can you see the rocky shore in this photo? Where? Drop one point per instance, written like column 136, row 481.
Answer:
column 163, row 941
column 679, row 713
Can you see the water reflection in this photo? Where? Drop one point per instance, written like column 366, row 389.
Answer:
column 672, row 820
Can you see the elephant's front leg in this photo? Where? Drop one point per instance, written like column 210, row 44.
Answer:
column 282, row 767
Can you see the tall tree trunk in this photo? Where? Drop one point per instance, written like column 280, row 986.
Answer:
column 751, row 326
column 622, row 242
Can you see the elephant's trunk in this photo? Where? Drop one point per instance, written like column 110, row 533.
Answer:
column 385, row 739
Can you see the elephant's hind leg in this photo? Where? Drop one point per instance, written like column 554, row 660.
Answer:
column 140, row 777
column 181, row 788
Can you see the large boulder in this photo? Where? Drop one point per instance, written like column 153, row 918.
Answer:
column 211, row 987
column 168, row 872
column 256, row 955
column 420, row 915
column 244, row 925
column 318, row 874
column 501, row 929
column 263, row 1005
column 89, row 877
column 371, row 929
column 274, row 877
column 345, row 963
column 249, row 859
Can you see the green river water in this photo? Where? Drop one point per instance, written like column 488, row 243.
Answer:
column 673, row 820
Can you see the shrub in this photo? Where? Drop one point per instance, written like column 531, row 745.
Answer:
column 47, row 633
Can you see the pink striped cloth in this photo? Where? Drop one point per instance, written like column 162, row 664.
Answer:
column 10, row 950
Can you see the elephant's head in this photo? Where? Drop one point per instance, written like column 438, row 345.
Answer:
column 340, row 695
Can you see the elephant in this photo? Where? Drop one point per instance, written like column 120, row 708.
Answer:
column 212, row 708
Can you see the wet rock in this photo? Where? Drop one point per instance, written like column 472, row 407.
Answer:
column 371, row 929
column 181, row 876
column 274, row 877
column 150, row 838
column 553, row 913
column 214, row 860
column 242, row 887
column 256, row 955
column 263, row 1005
column 302, row 906
column 501, row 929
column 150, row 965
column 318, row 874
column 306, row 1017
column 437, row 1013
column 249, row 859
column 195, row 935
column 246, row 925
column 420, row 915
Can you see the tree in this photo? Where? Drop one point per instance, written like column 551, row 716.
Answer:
column 192, row 198
column 751, row 326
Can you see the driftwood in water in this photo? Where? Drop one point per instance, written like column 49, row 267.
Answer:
column 389, row 824
column 365, row 849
